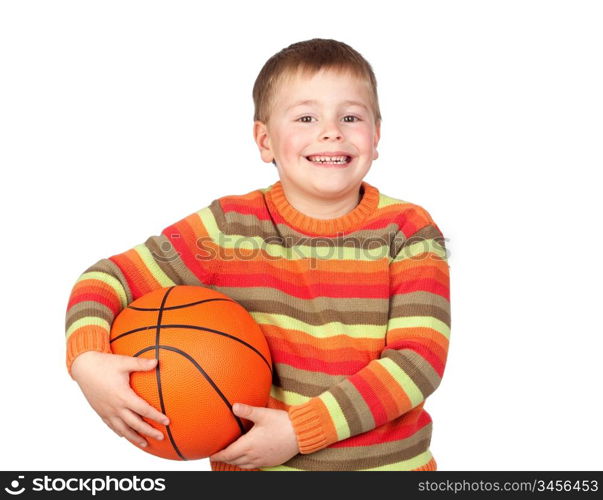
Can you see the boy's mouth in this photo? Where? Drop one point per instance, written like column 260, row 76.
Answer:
column 329, row 161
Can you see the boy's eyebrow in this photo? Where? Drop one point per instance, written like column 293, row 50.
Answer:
column 312, row 101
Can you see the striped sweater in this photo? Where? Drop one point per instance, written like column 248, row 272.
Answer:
column 355, row 309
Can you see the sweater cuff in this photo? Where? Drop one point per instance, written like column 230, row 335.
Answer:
column 313, row 426
column 89, row 338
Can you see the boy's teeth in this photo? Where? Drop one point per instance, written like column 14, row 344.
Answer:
column 328, row 159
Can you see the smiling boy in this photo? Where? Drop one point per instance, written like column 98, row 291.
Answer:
column 358, row 337
column 320, row 115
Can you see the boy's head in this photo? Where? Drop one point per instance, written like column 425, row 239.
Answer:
column 343, row 115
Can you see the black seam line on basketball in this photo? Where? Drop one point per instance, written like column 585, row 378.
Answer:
column 158, row 372
column 203, row 372
column 150, row 327
column 194, row 327
column 180, row 306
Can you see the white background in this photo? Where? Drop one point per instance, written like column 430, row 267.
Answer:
column 118, row 118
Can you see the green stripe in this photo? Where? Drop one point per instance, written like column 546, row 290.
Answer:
column 386, row 201
column 325, row 330
column 420, row 321
column 113, row 282
column 88, row 321
column 288, row 397
column 404, row 381
column 209, row 222
column 418, row 248
column 147, row 257
column 337, row 416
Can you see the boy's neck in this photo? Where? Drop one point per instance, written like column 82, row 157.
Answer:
column 321, row 208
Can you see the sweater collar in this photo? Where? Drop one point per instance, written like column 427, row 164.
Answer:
column 277, row 201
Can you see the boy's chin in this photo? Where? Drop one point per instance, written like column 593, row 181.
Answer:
column 332, row 188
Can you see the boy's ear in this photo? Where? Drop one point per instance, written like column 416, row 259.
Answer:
column 377, row 137
column 262, row 139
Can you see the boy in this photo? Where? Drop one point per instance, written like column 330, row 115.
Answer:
column 358, row 334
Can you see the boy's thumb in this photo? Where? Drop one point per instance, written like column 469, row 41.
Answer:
column 146, row 363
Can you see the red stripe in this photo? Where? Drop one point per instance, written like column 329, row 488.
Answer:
column 421, row 285
column 427, row 354
column 249, row 208
column 370, row 397
column 386, row 433
column 332, row 368
column 96, row 297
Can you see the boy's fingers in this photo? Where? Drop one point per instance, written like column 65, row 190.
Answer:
column 124, row 430
column 136, row 423
column 140, row 406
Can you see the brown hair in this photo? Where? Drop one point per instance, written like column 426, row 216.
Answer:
column 309, row 57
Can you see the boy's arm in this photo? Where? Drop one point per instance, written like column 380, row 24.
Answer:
column 411, row 364
column 178, row 256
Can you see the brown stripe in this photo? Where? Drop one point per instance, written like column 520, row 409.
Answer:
column 426, row 233
column 400, row 446
column 248, row 225
column 365, row 457
column 357, row 414
column 304, row 382
column 343, row 305
column 88, row 309
column 168, row 259
column 415, row 366
column 420, row 310
column 426, row 304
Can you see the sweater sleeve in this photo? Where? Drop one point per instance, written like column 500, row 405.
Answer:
column 411, row 364
column 180, row 255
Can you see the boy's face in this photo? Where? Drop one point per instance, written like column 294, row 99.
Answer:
column 330, row 124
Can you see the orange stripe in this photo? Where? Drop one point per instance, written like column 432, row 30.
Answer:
column 326, row 355
column 293, row 276
column 92, row 285
column 418, row 263
column 374, row 375
column 417, row 273
column 253, row 198
column 192, row 228
column 427, row 336
column 134, row 267
column 416, row 217
column 302, row 265
column 402, row 401
column 439, row 350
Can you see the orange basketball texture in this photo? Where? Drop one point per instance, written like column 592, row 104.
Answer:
column 211, row 354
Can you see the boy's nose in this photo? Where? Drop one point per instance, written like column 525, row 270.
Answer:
column 332, row 132
column 336, row 135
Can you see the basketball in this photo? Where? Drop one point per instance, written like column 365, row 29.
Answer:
column 211, row 354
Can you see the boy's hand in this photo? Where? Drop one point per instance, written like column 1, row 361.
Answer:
column 271, row 441
column 105, row 381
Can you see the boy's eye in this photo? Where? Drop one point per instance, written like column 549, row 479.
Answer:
column 310, row 118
